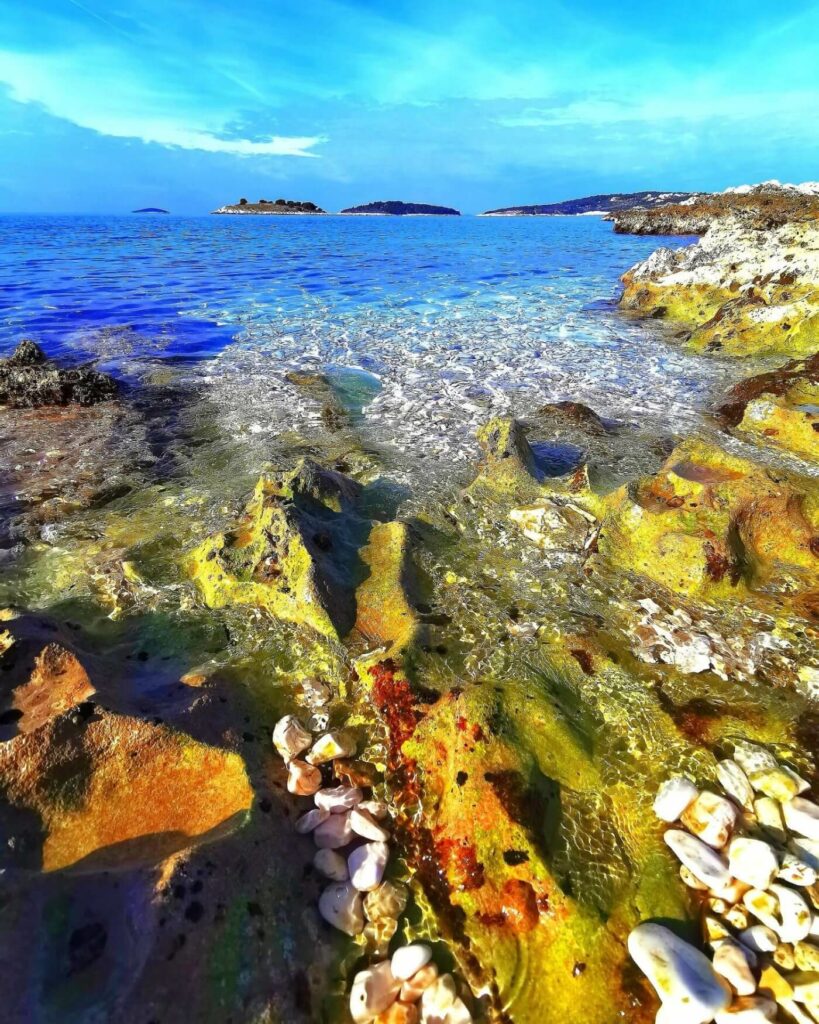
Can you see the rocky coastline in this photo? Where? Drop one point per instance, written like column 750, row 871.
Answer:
column 279, row 207
column 274, row 752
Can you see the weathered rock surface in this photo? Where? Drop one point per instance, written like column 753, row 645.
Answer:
column 29, row 380
column 739, row 291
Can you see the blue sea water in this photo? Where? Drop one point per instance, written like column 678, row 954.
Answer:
column 446, row 319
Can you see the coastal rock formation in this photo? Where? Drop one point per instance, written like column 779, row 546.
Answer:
column 397, row 208
column 28, row 380
column 778, row 408
column 280, row 206
column 596, row 205
column 763, row 206
column 739, row 291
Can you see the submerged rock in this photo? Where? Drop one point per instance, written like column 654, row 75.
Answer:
column 29, row 380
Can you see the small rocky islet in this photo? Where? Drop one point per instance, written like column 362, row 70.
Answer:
column 542, row 751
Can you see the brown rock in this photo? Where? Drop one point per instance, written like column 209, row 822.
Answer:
column 58, row 682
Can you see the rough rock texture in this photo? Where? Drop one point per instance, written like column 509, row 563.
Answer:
column 716, row 526
column 763, row 206
column 779, row 408
column 739, row 291
column 29, row 380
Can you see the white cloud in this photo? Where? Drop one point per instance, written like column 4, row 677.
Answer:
column 85, row 90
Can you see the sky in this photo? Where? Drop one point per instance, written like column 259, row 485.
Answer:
column 110, row 105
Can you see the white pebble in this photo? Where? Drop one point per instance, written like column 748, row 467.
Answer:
column 802, row 816
column 752, row 861
column 365, row 825
column 673, row 797
column 769, row 815
column 330, row 746
column 779, row 783
column 748, row 1010
column 408, row 960
column 367, row 864
column 691, row 880
column 374, row 990
column 759, row 938
column 735, row 783
column 338, row 799
column 333, row 833
column 438, row 998
column 711, row 818
column 290, row 737
column 700, row 859
column 341, row 906
column 753, row 758
column 332, row 865
column 302, row 778
column 806, row 850
column 796, row 871
column 377, row 808
column 682, row 976
column 310, row 820
column 731, row 961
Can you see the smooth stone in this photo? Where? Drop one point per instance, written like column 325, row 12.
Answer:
column 713, row 929
column 399, row 1013
column 331, row 864
column 753, row 758
column 438, row 998
column 735, row 783
column 330, row 746
column 705, row 863
column 340, row 906
column 796, row 871
column 732, row 892
column 807, row 850
column 760, row 938
column 414, row 987
column 338, row 799
column 367, row 864
column 737, row 917
column 783, row 956
column 310, row 820
column 377, row 808
column 374, row 989
column 333, row 833
column 731, row 961
column 748, row 1010
column 710, row 817
column 769, row 815
column 806, row 956
column 778, row 783
column 302, row 778
column 290, row 737
column 802, row 816
column 673, row 797
column 691, row 880
column 681, row 975
column 365, row 825
column 389, row 900
column 794, row 912
column 752, row 861
column 408, row 960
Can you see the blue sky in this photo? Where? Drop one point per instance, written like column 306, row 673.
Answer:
column 106, row 105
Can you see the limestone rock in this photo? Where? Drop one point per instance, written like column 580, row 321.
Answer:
column 333, row 833
column 711, row 817
column 407, row 961
column 330, row 746
column 28, row 380
column 340, row 905
column 779, row 783
column 388, row 900
column 311, row 820
column 367, row 864
column 365, row 825
column 339, row 799
column 732, row 962
column 769, row 815
column 735, row 783
column 673, row 797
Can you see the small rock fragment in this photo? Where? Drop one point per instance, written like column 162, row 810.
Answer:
column 333, row 833
column 331, row 864
column 365, row 825
column 310, row 820
column 778, row 783
column 290, row 737
column 330, row 746
column 735, row 783
column 806, row 956
column 759, row 938
column 338, row 799
column 753, row 758
column 340, row 906
column 408, row 960
column 302, row 779
column 438, row 998
column 367, row 864
column 802, row 816
column 769, row 815
column 399, row 1013
column 731, row 961
column 807, row 850
column 673, row 797
column 710, row 817
column 374, row 989
column 796, row 871
column 414, row 987
column 691, row 880
column 377, row 808
column 748, row 1010
column 752, row 861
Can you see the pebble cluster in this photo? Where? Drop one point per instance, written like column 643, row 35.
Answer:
column 752, row 851
column 352, row 839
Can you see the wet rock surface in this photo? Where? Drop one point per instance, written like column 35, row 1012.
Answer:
column 28, row 380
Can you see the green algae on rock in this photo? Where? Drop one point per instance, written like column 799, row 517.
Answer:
column 739, row 291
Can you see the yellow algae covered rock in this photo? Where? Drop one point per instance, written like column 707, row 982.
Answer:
column 294, row 552
column 383, row 612
column 741, row 290
column 714, row 525
column 112, row 791
column 58, row 682
column 779, row 408
column 508, row 463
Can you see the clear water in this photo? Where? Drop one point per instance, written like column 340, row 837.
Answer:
column 444, row 320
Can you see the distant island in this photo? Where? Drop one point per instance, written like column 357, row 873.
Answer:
column 395, row 208
column 267, row 206
column 151, row 209
column 594, row 205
